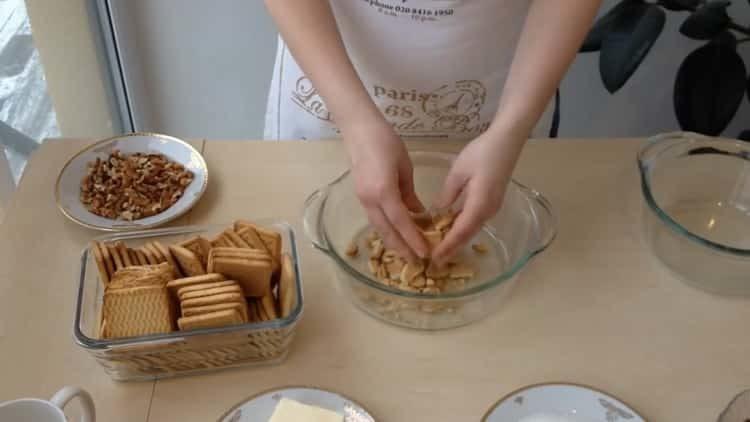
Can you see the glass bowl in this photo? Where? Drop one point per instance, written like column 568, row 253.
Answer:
column 181, row 353
column 524, row 227
column 697, row 209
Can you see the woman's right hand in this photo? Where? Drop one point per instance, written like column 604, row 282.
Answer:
column 383, row 179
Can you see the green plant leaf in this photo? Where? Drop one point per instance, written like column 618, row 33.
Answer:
column 680, row 4
column 628, row 41
column 707, row 22
column 726, row 38
column 709, row 88
column 744, row 135
column 593, row 41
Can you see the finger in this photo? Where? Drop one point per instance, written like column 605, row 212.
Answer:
column 452, row 188
column 391, row 238
column 467, row 224
column 399, row 217
column 408, row 194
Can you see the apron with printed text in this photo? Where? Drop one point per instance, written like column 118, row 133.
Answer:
column 435, row 68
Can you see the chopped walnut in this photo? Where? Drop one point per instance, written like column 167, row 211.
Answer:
column 131, row 187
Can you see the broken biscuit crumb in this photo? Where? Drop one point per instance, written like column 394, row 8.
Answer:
column 377, row 249
column 352, row 250
column 419, row 281
column 479, row 247
column 433, row 238
column 411, row 270
column 459, row 271
column 444, row 222
column 421, row 276
column 374, row 265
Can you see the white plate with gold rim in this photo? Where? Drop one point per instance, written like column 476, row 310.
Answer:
column 560, row 402
column 68, row 187
column 260, row 407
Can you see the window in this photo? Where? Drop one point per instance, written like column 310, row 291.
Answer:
column 26, row 113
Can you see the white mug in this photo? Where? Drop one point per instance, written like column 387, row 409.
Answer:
column 38, row 410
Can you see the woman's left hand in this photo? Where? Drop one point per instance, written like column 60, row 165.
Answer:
column 477, row 182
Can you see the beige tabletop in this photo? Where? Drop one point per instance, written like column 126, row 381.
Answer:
column 596, row 308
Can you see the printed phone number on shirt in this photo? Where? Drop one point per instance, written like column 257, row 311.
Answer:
column 414, row 11
column 423, row 12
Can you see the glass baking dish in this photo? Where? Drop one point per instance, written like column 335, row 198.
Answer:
column 523, row 228
column 696, row 192
column 182, row 352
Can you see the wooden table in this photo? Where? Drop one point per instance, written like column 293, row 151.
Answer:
column 596, row 308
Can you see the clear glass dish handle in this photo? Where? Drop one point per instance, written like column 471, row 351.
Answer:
column 540, row 206
column 544, row 215
column 312, row 219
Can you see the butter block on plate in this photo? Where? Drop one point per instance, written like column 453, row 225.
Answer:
column 293, row 411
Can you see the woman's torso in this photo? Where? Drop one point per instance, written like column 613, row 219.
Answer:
column 435, row 68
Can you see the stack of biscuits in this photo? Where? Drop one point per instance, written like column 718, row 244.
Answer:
column 113, row 257
column 240, row 276
column 136, row 302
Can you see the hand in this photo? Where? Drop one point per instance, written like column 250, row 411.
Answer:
column 383, row 179
column 479, row 177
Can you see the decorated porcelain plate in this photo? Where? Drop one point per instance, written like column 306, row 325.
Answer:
column 561, row 402
column 260, row 407
column 68, row 188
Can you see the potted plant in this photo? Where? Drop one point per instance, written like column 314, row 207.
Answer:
column 712, row 80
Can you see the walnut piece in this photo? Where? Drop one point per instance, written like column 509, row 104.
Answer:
column 131, row 187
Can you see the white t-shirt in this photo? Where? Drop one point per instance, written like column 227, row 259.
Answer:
column 435, row 68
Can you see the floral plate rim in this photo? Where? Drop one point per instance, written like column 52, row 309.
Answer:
column 589, row 388
column 278, row 389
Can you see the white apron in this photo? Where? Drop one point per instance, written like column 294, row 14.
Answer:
column 435, row 68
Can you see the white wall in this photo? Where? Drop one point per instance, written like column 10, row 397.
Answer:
column 197, row 68
column 200, row 70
